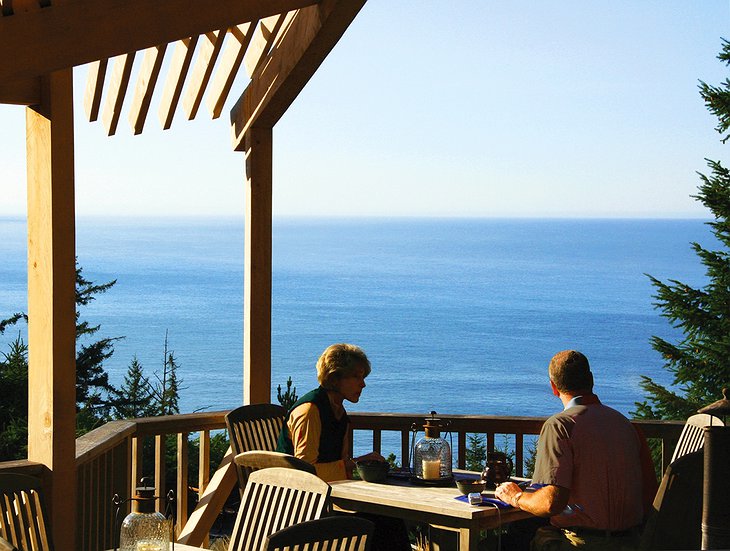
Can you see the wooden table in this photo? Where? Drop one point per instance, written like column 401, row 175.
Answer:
column 433, row 505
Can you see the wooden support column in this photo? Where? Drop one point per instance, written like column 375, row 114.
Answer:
column 51, row 299
column 257, row 268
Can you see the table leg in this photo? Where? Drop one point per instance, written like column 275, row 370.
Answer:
column 444, row 538
column 468, row 539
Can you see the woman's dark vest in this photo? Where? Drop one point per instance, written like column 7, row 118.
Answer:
column 333, row 431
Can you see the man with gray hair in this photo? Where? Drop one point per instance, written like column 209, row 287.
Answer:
column 593, row 468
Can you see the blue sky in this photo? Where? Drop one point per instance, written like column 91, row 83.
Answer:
column 458, row 108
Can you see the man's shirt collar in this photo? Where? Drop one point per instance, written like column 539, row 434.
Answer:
column 582, row 400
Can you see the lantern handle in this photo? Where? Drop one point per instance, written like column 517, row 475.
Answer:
column 118, row 502
column 168, row 515
column 447, row 425
column 412, row 459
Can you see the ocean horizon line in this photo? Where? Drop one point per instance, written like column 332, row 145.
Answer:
column 353, row 218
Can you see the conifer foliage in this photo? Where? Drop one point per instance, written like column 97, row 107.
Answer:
column 700, row 361
column 97, row 400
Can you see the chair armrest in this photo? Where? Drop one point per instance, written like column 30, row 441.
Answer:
column 5, row 545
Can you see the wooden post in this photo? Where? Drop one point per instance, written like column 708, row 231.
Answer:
column 715, row 487
column 257, row 268
column 51, row 299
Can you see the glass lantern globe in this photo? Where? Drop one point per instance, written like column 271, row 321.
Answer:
column 145, row 529
column 432, row 454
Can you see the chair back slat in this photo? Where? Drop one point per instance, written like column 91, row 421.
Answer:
column 254, row 427
column 692, row 438
column 8, row 522
column 273, row 499
column 256, row 459
column 325, row 534
column 22, row 516
column 5, row 545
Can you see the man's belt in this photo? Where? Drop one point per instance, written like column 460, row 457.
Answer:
column 581, row 531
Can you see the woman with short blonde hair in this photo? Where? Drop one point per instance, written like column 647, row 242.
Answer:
column 338, row 361
column 317, row 427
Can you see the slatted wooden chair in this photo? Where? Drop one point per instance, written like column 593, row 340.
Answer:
column 254, row 427
column 274, row 499
column 325, row 534
column 255, row 460
column 22, row 519
column 676, row 519
column 693, row 434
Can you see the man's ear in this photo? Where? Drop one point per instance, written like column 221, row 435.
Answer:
column 556, row 392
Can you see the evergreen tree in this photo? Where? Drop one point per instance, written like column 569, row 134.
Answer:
column 476, row 452
column 167, row 390
column 134, row 397
column 700, row 361
column 14, row 404
column 92, row 383
column 288, row 398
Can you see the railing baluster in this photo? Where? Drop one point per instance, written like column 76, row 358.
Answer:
column 203, row 467
column 377, row 440
column 405, row 448
column 137, row 467
column 519, row 454
column 160, row 487
column 461, row 443
column 182, row 481
column 119, row 482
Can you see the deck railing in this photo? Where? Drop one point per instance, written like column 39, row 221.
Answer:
column 109, row 460
column 515, row 433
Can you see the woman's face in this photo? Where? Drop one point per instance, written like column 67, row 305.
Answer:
column 351, row 386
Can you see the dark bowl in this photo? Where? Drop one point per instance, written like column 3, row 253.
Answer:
column 373, row 471
column 469, row 485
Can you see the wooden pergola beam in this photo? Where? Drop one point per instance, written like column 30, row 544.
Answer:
column 25, row 91
column 312, row 34
column 80, row 31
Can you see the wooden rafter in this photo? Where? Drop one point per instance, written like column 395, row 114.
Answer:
column 210, row 48
column 264, row 36
column 146, row 80
column 304, row 44
column 181, row 60
column 73, row 33
column 94, row 89
column 238, row 41
column 121, row 72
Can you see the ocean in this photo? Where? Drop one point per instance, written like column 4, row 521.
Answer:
column 456, row 315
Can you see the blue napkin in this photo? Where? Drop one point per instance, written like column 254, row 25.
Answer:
column 485, row 501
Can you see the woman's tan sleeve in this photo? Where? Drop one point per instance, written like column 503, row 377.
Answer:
column 305, row 428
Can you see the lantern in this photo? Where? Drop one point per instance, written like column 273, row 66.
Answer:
column 431, row 455
column 144, row 529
